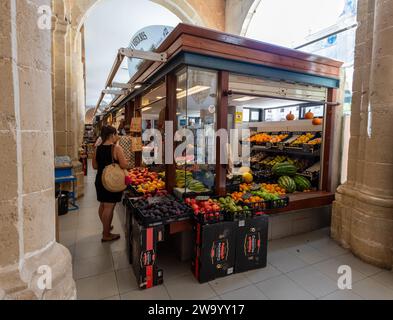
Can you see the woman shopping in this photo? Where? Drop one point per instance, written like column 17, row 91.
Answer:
column 105, row 154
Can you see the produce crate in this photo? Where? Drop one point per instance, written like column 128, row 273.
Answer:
column 242, row 215
column 160, row 218
column 251, row 244
column 209, row 218
column 265, row 175
column 131, row 190
column 181, row 194
column 264, row 206
column 214, row 251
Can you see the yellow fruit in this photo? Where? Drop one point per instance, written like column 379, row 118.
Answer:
column 247, row 177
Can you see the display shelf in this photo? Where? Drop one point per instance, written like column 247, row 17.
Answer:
column 289, row 151
column 305, row 200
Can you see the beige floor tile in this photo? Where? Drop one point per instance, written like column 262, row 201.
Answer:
column 67, row 238
column 328, row 247
column 126, row 280
column 284, row 261
column 153, row 294
column 342, row 295
column 385, row 278
column 354, row 262
column 259, row 275
column 88, row 249
column 69, row 221
column 372, row 290
column 119, row 245
column 90, row 234
column 93, row 266
column 313, row 281
column 96, row 288
column 230, row 283
column 187, row 288
column 283, row 288
column 308, row 254
column 247, row 293
column 120, row 260
column 330, row 269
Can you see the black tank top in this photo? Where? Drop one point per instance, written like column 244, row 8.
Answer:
column 104, row 157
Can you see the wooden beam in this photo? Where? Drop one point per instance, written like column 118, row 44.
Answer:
column 170, row 115
column 137, row 104
column 328, row 141
column 222, row 123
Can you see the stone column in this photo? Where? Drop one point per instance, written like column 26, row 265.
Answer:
column 66, row 107
column 27, row 202
column 363, row 210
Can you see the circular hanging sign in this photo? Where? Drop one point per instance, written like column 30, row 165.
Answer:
column 146, row 39
column 212, row 108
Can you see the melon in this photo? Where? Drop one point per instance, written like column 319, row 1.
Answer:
column 284, row 169
column 302, row 183
column 287, row 183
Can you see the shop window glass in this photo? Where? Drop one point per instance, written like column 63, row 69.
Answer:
column 246, row 115
column 153, row 115
column 196, row 111
column 254, row 115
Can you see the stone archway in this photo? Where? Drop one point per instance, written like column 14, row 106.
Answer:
column 239, row 14
column 68, row 59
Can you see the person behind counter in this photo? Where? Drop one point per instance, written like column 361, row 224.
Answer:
column 108, row 200
column 122, row 130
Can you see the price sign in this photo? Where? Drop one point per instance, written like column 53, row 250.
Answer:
column 136, row 125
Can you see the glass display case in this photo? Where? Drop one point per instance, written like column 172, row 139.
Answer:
column 196, row 119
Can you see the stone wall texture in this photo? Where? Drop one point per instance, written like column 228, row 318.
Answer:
column 363, row 210
column 27, row 204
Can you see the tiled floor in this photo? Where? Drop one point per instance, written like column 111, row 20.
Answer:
column 300, row 267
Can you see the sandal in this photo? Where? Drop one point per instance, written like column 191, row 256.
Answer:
column 112, row 227
column 113, row 237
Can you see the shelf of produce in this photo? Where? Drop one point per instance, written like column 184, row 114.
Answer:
column 288, row 151
column 305, row 200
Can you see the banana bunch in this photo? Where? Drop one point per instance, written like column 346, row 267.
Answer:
column 196, row 186
column 183, row 178
column 271, row 162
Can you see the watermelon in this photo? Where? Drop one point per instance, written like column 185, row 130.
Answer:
column 302, row 183
column 284, row 169
column 287, row 183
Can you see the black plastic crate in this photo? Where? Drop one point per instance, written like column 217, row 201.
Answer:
column 161, row 217
column 210, row 218
column 281, row 203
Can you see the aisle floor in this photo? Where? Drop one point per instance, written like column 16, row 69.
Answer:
column 300, row 267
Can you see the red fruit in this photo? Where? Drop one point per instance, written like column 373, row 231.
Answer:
column 195, row 207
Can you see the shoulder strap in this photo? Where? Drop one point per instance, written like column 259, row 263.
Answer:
column 112, row 153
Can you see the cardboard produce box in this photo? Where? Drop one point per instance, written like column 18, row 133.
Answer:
column 251, row 244
column 144, row 253
column 214, row 251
